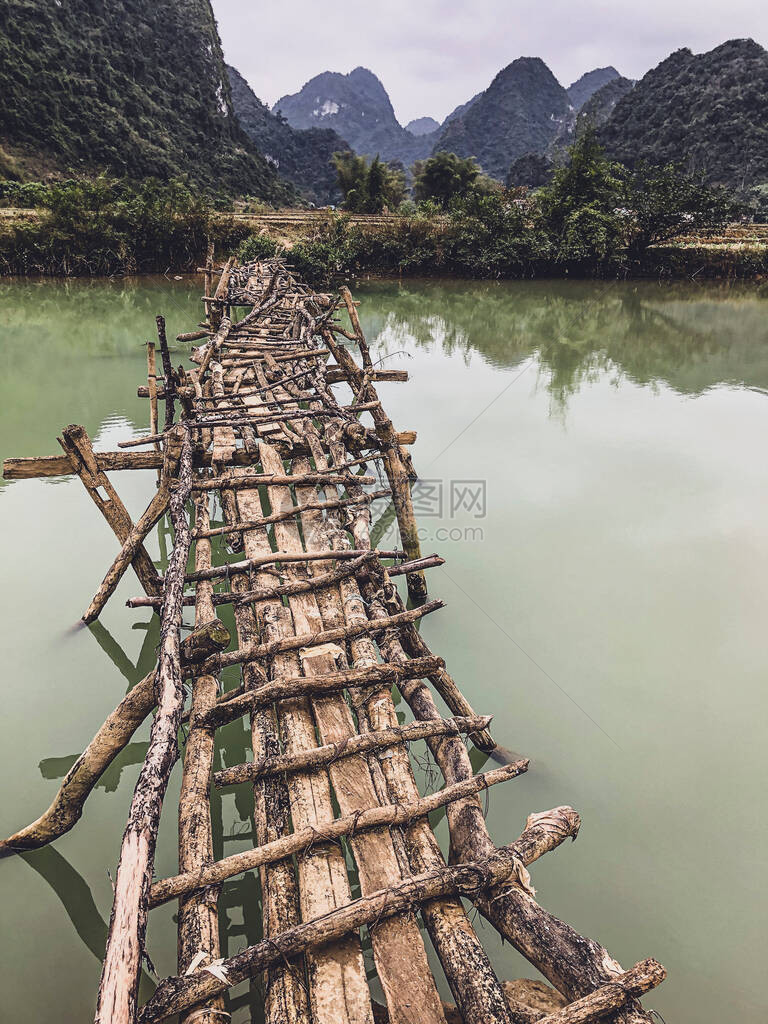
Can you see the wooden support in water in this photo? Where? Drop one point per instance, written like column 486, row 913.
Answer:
column 324, row 647
column 113, row 736
column 81, row 459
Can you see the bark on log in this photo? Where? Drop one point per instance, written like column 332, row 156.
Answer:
column 293, row 643
column 348, row 825
column 242, row 700
column 612, row 996
column 138, row 534
column 395, row 466
column 468, row 880
column 371, row 741
column 198, row 925
column 169, row 387
column 82, row 459
column 118, row 988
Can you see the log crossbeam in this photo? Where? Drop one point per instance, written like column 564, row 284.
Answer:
column 326, row 649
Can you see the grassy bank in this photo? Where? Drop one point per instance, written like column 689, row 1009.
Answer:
column 322, row 247
column 105, row 226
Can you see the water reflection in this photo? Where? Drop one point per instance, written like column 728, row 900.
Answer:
column 686, row 336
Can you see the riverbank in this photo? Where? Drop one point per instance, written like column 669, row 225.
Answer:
column 155, row 236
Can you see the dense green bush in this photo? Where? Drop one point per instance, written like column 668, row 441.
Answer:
column 108, row 226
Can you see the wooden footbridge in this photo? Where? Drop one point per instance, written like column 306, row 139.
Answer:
column 322, row 638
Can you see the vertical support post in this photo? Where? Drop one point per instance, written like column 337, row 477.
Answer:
column 152, row 388
column 169, row 388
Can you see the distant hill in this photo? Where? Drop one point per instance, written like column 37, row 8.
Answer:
column 585, row 87
column 135, row 89
column 302, row 155
column 422, row 126
column 706, row 110
column 358, row 108
column 521, row 111
column 600, row 106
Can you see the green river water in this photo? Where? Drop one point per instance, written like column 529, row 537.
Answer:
column 595, row 474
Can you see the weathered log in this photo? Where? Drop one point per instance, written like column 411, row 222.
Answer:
column 263, row 479
column 138, row 534
column 82, row 460
column 293, row 643
column 152, row 390
column 359, row 744
column 240, row 701
column 289, row 513
column 198, row 929
column 110, row 462
column 118, row 988
column 333, row 375
column 385, row 816
column 612, row 996
column 294, row 587
column 169, row 388
column 469, row 880
column 280, row 557
column 394, row 463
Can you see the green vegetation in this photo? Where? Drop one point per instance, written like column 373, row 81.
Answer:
column 443, row 177
column 106, row 226
column 706, row 111
column 303, row 156
column 368, row 187
column 596, row 218
column 137, row 90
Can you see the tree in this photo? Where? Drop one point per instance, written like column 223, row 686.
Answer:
column 444, row 177
column 352, row 174
column 664, row 202
column 582, row 208
column 368, row 188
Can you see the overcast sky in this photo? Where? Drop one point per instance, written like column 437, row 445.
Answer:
column 432, row 55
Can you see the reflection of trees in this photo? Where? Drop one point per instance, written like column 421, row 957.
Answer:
column 687, row 336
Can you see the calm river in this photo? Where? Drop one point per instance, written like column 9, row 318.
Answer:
column 594, row 471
